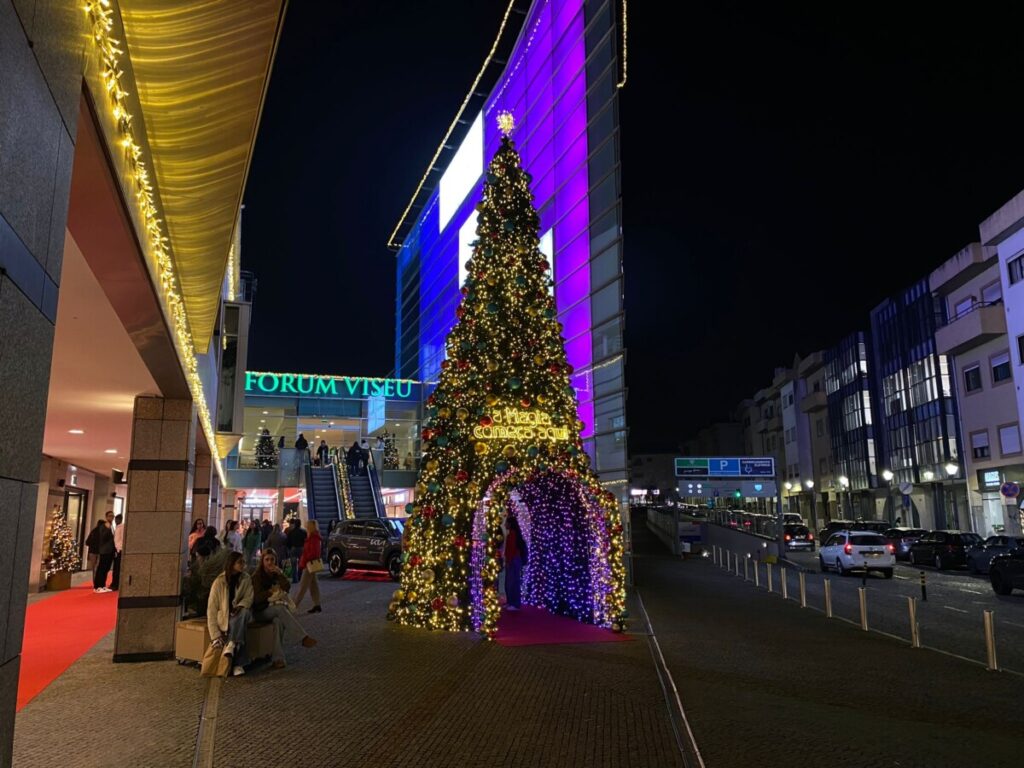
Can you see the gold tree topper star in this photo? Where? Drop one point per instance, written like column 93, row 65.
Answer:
column 506, row 123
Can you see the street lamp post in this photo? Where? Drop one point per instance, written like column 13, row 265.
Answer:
column 814, row 514
column 887, row 475
column 844, row 481
column 951, row 471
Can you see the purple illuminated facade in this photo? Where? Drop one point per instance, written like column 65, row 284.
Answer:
column 560, row 83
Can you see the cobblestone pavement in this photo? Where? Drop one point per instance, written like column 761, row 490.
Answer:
column 370, row 693
column 766, row 683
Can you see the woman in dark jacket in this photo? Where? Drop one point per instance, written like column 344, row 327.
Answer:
column 270, row 590
column 101, row 541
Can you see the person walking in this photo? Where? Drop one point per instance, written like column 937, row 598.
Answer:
column 515, row 559
column 302, row 445
column 322, row 453
column 101, row 541
column 296, row 540
column 115, row 580
column 353, row 458
column 266, row 528
column 270, row 590
column 277, row 543
column 364, row 457
column 280, row 442
column 209, row 539
column 232, row 538
column 227, row 610
column 251, row 542
column 312, row 549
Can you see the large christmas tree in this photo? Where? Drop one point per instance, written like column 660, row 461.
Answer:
column 502, row 434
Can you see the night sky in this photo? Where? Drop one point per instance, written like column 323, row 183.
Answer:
column 783, row 171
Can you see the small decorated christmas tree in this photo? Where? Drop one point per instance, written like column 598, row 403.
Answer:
column 502, row 433
column 266, row 453
column 64, row 557
column 390, row 452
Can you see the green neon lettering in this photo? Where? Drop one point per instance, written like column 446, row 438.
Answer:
column 351, row 385
column 288, row 384
column 366, row 387
column 389, row 388
column 325, row 386
column 250, row 381
column 377, row 389
column 308, row 390
column 273, row 382
column 408, row 388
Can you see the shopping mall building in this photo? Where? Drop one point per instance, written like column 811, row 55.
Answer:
column 124, row 314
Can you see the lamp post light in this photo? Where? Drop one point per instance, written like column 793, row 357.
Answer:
column 814, row 511
column 844, row 481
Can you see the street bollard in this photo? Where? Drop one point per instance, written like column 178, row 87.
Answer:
column 769, row 567
column 757, row 574
column 915, row 630
column 746, row 569
column 782, row 581
column 924, row 589
column 990, row 641
column 737, row 565
column 828, row 599
column 863, row 595
column 803, row 590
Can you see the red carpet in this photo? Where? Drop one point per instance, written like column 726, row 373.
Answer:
column 535, row 626
column 58, row 630
column 354, row 574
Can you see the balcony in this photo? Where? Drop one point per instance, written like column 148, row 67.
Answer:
column 814, row 401
column 771, row 424
column 981, row 323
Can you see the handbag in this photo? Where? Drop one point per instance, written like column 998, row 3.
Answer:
column 315, row 566
column 215, row 663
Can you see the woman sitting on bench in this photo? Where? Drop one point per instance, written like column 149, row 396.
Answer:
column 227, row 610
column 270, row 604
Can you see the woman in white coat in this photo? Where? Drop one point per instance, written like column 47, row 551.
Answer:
column 228, row 609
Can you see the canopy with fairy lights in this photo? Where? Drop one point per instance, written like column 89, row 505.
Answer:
column 502, row 436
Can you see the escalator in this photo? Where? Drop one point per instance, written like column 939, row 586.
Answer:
column 322, row 499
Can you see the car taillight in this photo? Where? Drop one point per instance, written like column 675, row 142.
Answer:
column 892, row 549
column 848, row 549
column 810, row 537
column 788, row 537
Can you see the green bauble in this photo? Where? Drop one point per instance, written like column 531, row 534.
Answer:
column 514, row 383
column 492, row 308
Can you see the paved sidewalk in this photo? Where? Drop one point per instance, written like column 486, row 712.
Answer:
column 767, row 683
column 371, row 693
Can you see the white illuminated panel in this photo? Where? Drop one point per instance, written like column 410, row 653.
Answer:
column 547, row 247
column 467, row 234
column 463, row 172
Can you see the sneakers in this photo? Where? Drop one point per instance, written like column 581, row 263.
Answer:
column 229, row 648
column 315, row 609
column 238, row 671
column 308, row 642
column 100, row 590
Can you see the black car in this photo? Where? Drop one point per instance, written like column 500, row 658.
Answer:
column 835, row 525
column 874, row 526
column 798, row 537
column 371, row 544
column 943, row 549
column 901, row 538
column 1007, row 572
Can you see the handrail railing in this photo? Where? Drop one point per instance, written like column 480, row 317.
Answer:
column 371, row 472
column 975, row 306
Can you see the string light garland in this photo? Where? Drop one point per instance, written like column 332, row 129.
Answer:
column 101, row 21
column 501, row 433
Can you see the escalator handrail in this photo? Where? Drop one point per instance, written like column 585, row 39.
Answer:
column 310, row 492
column 337, row 492
column 378, row 501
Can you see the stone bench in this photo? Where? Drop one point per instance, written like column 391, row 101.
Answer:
column 191, row 640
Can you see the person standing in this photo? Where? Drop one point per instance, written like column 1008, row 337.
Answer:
column 364, row 457
column 251, row 542
column 302, row 445
column 227, row 610
column 353, row 458
column 296, row 540
column 101, row 541
column 115, row 581
column 232, row 538
column 277, row 543
column 268, row 584
column 265, row 530
column 408, row 461
column 515, row 559
column 280, row 443
column 312, row 549
column 198, row 529
column 322, row 453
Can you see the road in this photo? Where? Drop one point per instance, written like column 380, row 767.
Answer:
column 950, row 620
column 766, row 683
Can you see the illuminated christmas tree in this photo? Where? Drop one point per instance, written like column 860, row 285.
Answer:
column 266, row 453
column 64, row 557
column 501, row 432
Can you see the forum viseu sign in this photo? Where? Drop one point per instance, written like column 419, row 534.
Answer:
column 257, row 383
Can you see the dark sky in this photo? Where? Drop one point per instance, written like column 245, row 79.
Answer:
column 783, row 171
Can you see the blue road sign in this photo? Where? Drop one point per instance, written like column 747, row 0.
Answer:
column 719, row 467
column 757, row 467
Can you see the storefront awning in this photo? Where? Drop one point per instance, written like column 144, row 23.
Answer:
column 201, row 70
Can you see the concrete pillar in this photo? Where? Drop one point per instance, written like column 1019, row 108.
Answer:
column 201, row 507
column 160, row 483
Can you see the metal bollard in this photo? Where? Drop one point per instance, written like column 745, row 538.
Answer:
column 863, row 595
column 915, row 630
column 924, row 589
column 746, row 569
column 737, row 565
column 828, row 599
column 769, row 567
column 757, row 574
column 803, row 590
column 990, row 641
column 782, row 581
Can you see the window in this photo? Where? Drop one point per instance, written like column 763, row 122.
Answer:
column 1020, row 349
column 979, row 445
column 972, row 378
column 1015, row 269
column 1009, row 439
column 1000, row 367
column 992, row 292
column 962, row 307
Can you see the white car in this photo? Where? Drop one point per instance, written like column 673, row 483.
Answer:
column 846, row 551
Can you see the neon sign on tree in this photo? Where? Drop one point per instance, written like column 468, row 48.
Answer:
column 502, row 433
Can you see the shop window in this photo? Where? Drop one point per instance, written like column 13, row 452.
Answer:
column 1000, row 367
column 979, row 445
column 972, row 378
column 1009, row 440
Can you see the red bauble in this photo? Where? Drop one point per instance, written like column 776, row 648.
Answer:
column 486, row 421
column 415, row 560
column 463, row 364
column 437, row 604
column 544, row 265
column 462, row 475
column 431, row 400
column 444, row 364
column 427, row 433
column 460, row 311
column 554, row 367
column 459, row 541
column 465, row 290
column 525, row 402
column 429, row 512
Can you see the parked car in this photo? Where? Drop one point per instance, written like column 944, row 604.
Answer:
column 792, row 517
column 1006, row 572
column 901, row 538
column 373, row 544
column 832, row 526
column 875, row 526
column 798, row 537
column 943, row 549
column 979, row 558
column 845, row 551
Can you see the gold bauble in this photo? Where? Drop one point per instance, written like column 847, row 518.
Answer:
column 492, row 365
column 412, row 596
column 445, row 412
column 509, row 452
column 420, row 489
column 481, row 448
column 538, row 360
column 399, row 594
column 450, row 480
column 492, row 400
column 462, row 414
column 542, row 398
column 432, row 465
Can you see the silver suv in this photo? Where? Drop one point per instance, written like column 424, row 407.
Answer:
column 373, row 544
